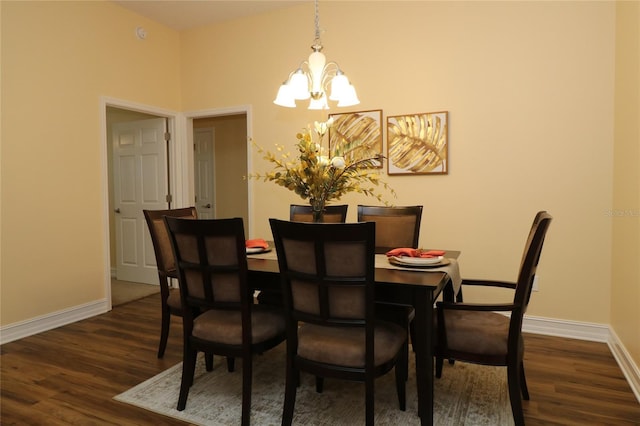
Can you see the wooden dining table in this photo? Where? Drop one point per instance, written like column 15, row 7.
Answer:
column 416, row 287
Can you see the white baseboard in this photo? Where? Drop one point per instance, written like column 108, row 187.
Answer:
column 42, row 323
column 628, row 367
column 565, row 328
column 592, row 332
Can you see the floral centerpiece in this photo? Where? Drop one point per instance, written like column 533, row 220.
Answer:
column 321, row 176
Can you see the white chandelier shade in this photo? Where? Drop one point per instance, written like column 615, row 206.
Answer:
column 313, row 78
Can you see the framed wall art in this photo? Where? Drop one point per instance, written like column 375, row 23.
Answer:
column 358, row 134
column 418, row 144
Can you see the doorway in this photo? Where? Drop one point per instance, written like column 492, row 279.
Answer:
column 138, row 176
column 220, row 166
column 231, row 135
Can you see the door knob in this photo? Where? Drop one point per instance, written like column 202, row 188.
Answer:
column 207, row 206
column 117, row 210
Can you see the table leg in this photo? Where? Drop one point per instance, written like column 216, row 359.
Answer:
column 423, row 323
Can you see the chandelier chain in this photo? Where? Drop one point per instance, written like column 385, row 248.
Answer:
column 317, row 22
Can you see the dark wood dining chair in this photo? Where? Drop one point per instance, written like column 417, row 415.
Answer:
column 328, row 276
column 170, row 297
column 481, row 334
column 396, row 226
column 332, row 213
column 219, row 316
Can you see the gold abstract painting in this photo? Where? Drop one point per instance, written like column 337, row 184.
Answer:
column 418, row 144
column 359, row 132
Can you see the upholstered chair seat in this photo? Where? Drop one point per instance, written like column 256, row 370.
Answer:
column 346, row 346
column 223, row 326
column 480, row 332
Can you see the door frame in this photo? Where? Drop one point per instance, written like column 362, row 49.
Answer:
column 176, row 153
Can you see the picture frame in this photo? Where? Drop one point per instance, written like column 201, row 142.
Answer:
column 418, row 144
column 359, row 132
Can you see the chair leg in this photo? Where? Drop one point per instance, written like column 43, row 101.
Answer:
column 370, row 401
column 523, row 383
column 439, row 363
column 231, row 364
column 164, row 331
column 291, row 384
column 459, row 299
column 247, row 364
column 208, row 361
column 188, row 370
column 319, row 384
column 513, row 381
column 412, row 334
column 402, row 373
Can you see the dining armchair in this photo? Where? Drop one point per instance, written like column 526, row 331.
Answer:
column 332, row 213
column 219, row 315
column 327, row 275
column 482, row 334
column 170, row 297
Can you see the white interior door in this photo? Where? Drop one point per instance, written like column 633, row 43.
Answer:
column 204, row 175
column 139, row 182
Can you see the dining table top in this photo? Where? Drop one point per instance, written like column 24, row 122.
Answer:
column 385, row 273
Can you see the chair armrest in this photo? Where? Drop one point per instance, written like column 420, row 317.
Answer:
column 489, row 283
column 506, row 307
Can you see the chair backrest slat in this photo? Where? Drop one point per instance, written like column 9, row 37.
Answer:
column 160, row 236
column 396, row 226
column 211, row 259
column 332, row 214
column 327, row 270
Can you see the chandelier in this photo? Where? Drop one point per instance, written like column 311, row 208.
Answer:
column 312, row 80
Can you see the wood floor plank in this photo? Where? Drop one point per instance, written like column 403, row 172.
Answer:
column 71, row 374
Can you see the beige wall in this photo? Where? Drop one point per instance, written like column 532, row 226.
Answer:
column 529, row 90
column 625, row 217
column 58, row 59
column 529, row 87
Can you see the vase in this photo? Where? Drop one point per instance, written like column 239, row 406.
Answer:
column 317, row 210
column 318, row 216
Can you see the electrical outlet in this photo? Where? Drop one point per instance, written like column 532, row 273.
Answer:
column 536, row 282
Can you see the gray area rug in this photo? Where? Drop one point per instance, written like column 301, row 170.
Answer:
column 466, row 394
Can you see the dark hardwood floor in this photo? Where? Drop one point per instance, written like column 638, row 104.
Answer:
column 69, row 376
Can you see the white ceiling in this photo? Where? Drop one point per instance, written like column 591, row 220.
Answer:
column 186, row 14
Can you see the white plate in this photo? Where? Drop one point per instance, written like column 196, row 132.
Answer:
column 254, row 250
column 417, row 260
